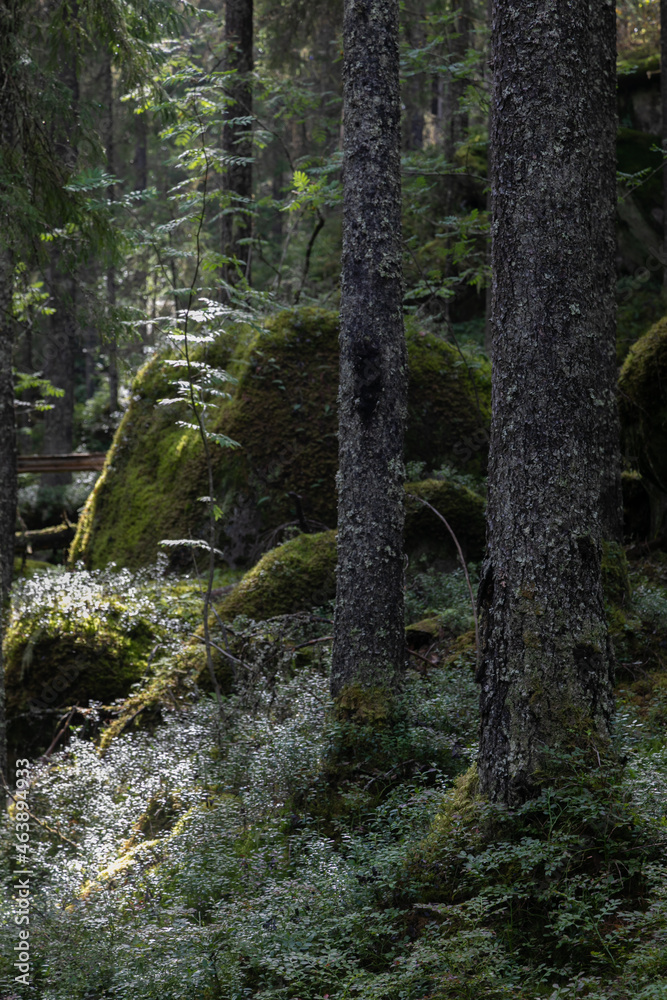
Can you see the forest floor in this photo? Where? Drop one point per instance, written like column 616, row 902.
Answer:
column 183, row 845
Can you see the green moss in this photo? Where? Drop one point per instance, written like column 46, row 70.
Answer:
column 637, row 65
column 30, row 566
column 420, row 633
column 638, row 309
column 62, row 659
column 365, row 706
column 151, row 480
column 283, row 412
column 459, row 805
column 615, row 576
column 300, row 573
column 294, row 576
column 174, row 682
column 425, row 534
column 449, row 404
column 643, row 408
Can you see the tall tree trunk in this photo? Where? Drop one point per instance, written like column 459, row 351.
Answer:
column 59, row 360
column 141, row 151
column 663, row 98
column 455, row 119
column 547, row 666
column 108, row 136
column 413, row 96
column 60, row 351
column 237, row 140
column 8, row 486
column 369, row 639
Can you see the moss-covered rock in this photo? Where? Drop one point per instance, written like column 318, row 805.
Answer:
column 300, row 573
column 425, row 534
column 283, row 413
column 65, row 658
column 296, row 575
column 643, row 407
column 423, row 632
column 151, row 479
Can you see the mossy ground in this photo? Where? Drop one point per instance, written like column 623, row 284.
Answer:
column 283, row 413
column 314, row 854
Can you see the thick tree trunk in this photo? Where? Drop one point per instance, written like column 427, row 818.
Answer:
column 7, row 472
column 369, row 640
column 547, row 664
column 237, row 139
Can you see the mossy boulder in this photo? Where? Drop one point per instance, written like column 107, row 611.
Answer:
column 300, row 573
column 296, row 575
column 425, row 533
column 151, row 479
column 283, row 413
column 643, row 408
column 67, row 656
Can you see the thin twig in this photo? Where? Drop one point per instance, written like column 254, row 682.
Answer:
column 465, row 569
column 224, row 652
column 413, row 652
column 312, row 642
column 58, row 735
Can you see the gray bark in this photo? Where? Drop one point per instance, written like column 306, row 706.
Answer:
column 663, row 99
column 369, row 639
column 8, row 485
column 547, row 660
column 237, row 140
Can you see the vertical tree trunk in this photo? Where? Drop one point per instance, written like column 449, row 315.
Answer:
column 7, row 473
column 413, row 96
column 60, row 350
column 108, row 136
column 547, row 665
column 369, row 639
column 59, row 360
column 141, row 151
column 455, row 121
column 237, row 140
column 663, row 98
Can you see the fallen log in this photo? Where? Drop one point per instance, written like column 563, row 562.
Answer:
column 58, row 536
column 76, row 462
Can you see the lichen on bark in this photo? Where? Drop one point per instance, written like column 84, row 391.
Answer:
column 554, row 477
column 369, row 639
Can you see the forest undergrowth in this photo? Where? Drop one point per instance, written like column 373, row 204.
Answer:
column 260, row 848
